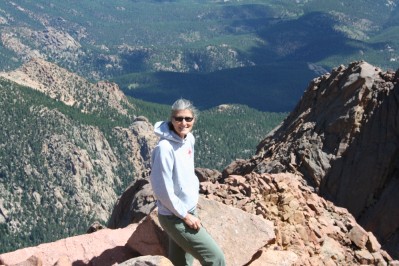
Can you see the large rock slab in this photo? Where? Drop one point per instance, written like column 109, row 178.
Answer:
column 104, row 247
column 149, row 237
column 239, row 234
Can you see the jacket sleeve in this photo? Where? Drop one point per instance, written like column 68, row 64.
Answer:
column 161, row 179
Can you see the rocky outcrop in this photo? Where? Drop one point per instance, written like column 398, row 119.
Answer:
column 138, row 140
column 88, row 170
column 233, row 228
column 136, row 202
column 274, row 219
column 309, row 230
column 309, row 226
column 104, row 247
column 343, row 139
column 132, row 244
column 205, row 174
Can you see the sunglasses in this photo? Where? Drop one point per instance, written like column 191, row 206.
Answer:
column 181, row 118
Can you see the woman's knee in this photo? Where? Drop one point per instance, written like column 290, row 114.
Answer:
column 214, row 258
column 219, row 259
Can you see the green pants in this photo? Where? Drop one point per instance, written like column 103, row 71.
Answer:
column 185, row 244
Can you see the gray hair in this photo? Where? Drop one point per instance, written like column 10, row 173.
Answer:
column 183, row 104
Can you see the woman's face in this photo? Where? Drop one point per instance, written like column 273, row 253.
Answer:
column 181, row 123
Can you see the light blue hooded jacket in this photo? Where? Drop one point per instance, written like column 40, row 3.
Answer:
column 173, row 179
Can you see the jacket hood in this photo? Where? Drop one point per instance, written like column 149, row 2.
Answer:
column 164, row 131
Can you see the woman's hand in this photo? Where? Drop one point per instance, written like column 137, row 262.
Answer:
column 192, row 221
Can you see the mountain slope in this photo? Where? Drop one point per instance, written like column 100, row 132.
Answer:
column 70, row 88
column 342, row 138
column 61, row 167
column 101, row 40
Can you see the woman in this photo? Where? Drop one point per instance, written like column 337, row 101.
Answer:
column 176, row 188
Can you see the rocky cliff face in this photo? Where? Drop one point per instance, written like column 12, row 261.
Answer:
column 342, row 138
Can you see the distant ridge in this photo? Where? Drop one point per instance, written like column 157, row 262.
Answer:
column 69, row 88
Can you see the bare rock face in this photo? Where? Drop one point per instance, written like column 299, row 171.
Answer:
column 139, row 139
column 312, row 229
column 135, row 204
column 230, row 227
column 104, row 247
column 149, row 237
column 205, row 174
column 27, row 43
column 343, row 139
column 82, row 169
